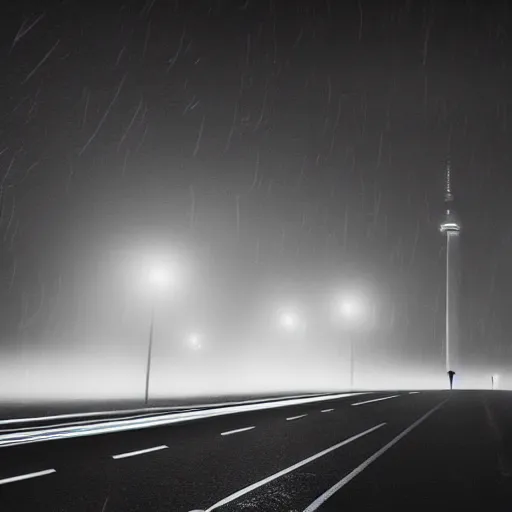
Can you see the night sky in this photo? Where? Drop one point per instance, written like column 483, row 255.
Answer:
column 280, row 147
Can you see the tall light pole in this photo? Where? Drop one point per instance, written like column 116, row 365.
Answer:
column 352, row 359
column 159, row 278
column 150, row 349
column 352, row 310
column 451, row 228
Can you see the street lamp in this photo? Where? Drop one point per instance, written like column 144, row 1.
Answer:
column 353, row 311
column 288, row 320
column 159, row 278
column 194, row 341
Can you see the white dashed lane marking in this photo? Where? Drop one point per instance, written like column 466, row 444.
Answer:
column 229, row 432
column 375, row 400
column 27, row 476
column 139, row 452
column 291, row 418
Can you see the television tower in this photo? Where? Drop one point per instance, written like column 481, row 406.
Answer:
column 451, row 228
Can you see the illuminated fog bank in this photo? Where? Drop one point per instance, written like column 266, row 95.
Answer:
column 109, row 374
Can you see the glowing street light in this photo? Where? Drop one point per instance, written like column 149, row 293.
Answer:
column 353, row 311
column 194, row 341
column 289, row 321
column 160, row 277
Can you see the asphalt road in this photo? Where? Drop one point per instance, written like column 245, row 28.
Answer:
column 428, row 450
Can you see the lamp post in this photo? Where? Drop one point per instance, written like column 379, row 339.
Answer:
column 150, row 349
column 352, row 359
column 159, row 277
column 353, row 311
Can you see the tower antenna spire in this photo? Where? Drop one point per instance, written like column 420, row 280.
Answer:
column 448, row 196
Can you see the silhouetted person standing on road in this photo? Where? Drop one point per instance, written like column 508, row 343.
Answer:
column 451, row 373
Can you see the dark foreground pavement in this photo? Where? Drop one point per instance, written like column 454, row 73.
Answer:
column 426, row 451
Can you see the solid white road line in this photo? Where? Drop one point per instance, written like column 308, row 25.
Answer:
column 48, row 433
column 413, row 392
column 291, row 418
column 283, row 472
column 27, row 476
column 101, row 415
column 344, row 481
column 139, row 452
column 327, row 410
column 56, row 426
column 375, row 400
column 178, row 408
column 229, row 432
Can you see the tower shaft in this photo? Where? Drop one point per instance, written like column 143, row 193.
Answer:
column 452, row 302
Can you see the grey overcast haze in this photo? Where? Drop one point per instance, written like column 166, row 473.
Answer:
column 275, row 154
